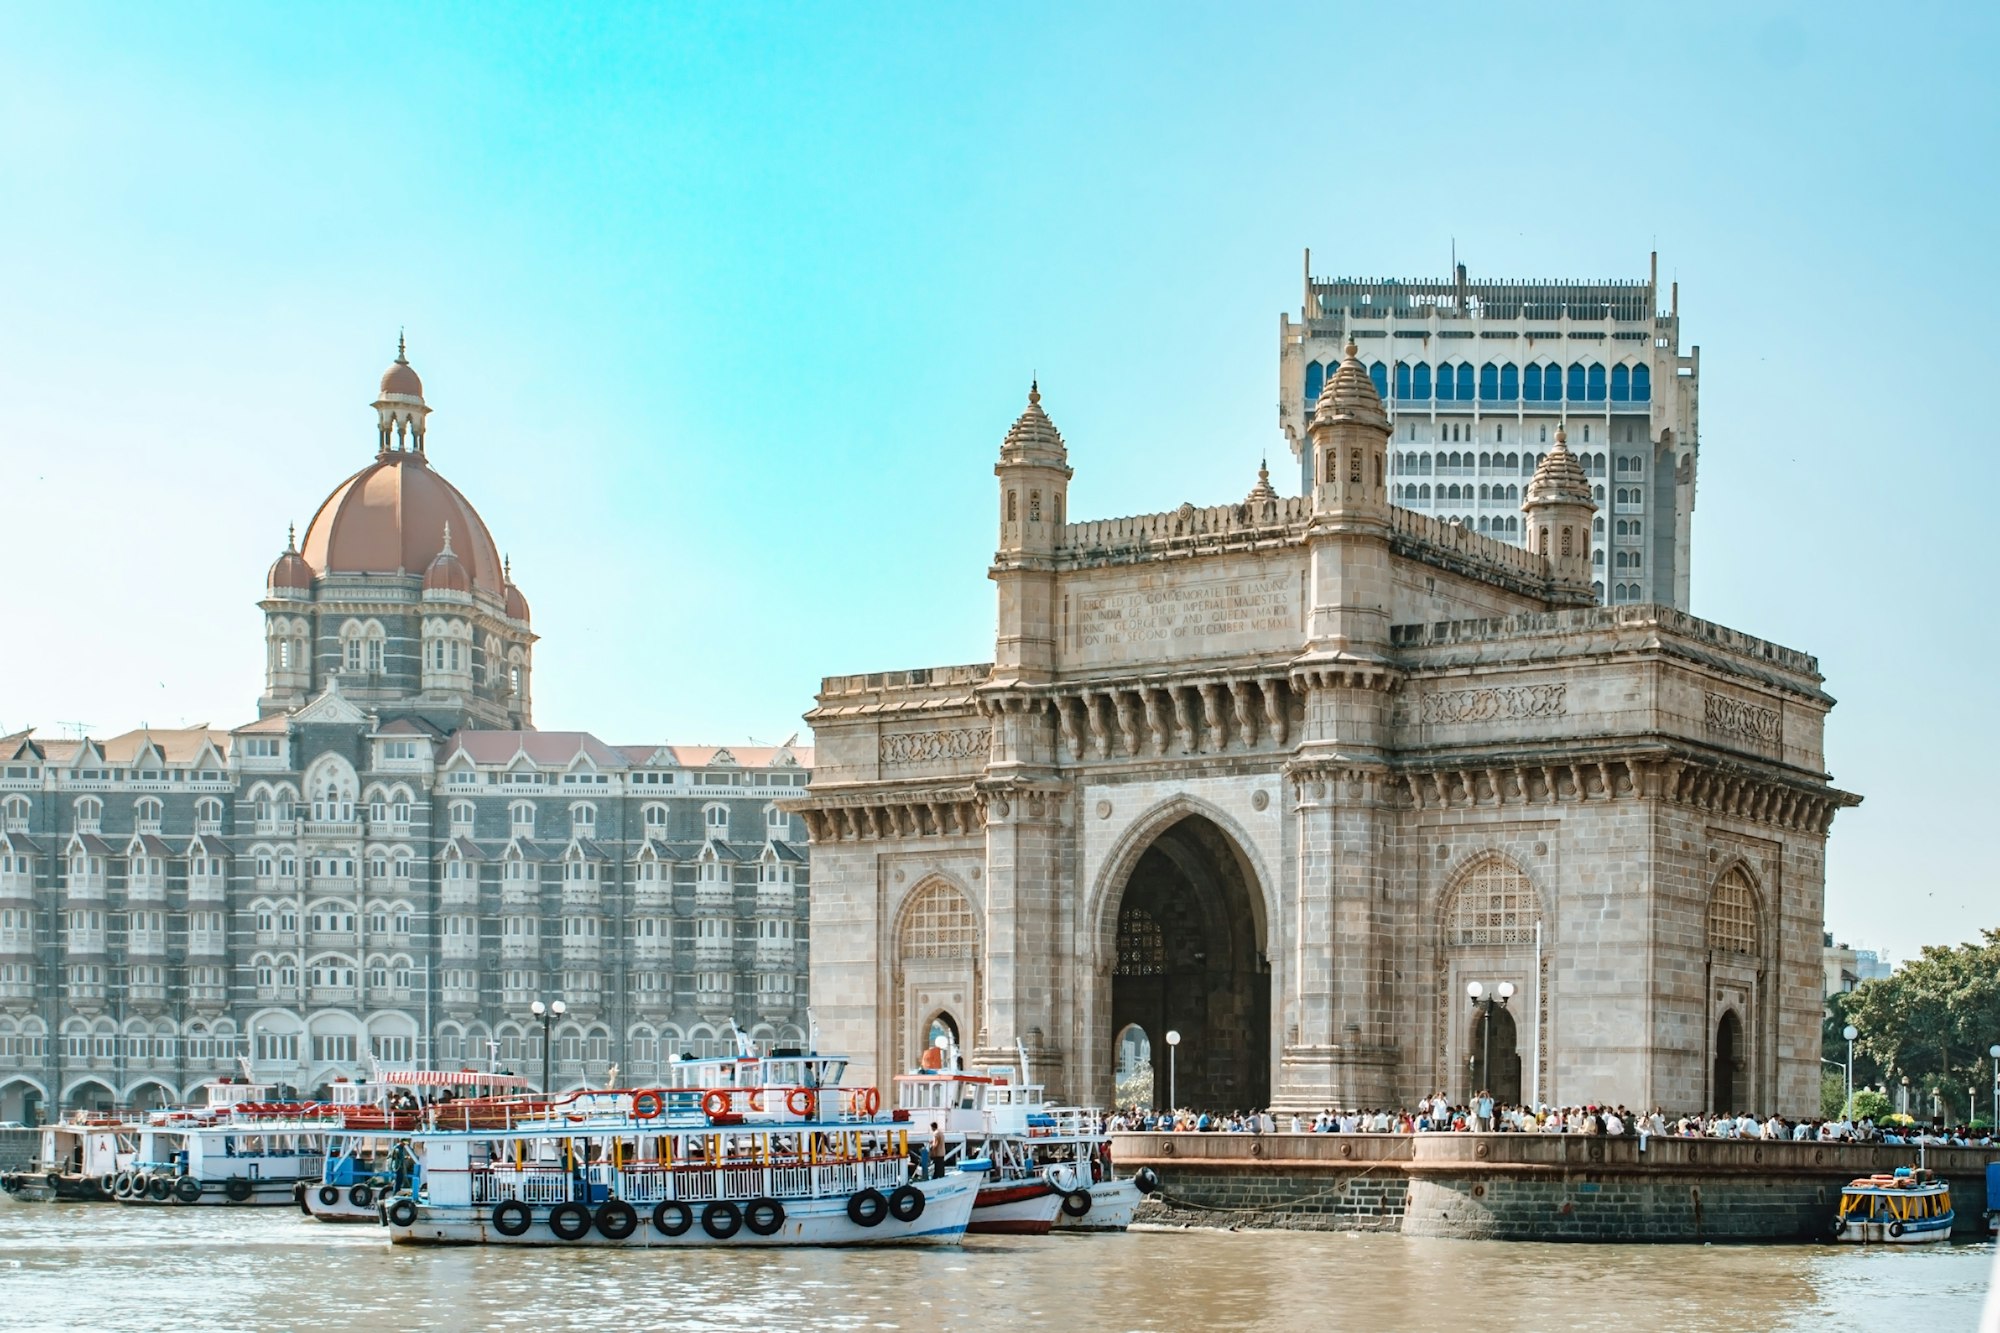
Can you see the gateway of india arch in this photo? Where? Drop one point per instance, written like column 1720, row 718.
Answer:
column 1292, row 776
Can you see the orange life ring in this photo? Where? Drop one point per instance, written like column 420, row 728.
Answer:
column 647, row 1105
column 871, row 1100
column 801, row 1102
column 756, row 1100
column 715, row 1102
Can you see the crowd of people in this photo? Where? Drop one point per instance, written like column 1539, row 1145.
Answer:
column 1482, row 1114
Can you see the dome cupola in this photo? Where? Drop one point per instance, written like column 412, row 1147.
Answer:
column 447, row 573
column 291, row 573
column 517, row 604
column 399, row 407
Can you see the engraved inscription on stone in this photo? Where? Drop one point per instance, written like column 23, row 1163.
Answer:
column 1187, row 614
column 928, row 747
column 1746, row 721
column 1506, row 701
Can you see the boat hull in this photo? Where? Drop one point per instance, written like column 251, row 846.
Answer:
column 814, row 1222
column 1113, row 1203
column 215, row 1194
column 1930, row 1231
column 1016, row 1208
column 313, row 1202
column 53, row 1187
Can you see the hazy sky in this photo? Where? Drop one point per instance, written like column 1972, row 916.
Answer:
column 723, row 311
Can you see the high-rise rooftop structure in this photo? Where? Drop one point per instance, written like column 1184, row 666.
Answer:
column 1478, row 376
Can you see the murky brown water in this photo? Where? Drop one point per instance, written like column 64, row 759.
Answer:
column 70, row 1266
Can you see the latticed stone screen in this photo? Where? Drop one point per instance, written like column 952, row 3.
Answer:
column 1142, row 949
column 1732, row 916
column 940, row 924
column 1495, row 905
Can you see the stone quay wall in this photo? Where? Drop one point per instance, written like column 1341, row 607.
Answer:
column 1526, row 1186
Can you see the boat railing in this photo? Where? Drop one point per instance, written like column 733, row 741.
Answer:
column 650, row 1183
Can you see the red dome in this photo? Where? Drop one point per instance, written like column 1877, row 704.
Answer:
column 291, row 571
column 517, row 605
column 446, row 573
column 390, row 517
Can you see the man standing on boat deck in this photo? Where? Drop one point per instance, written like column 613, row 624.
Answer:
column 937, row 1151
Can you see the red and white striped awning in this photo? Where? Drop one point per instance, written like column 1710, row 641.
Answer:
column 438, row 1078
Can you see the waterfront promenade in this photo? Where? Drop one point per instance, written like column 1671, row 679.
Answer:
column 1527, row 1186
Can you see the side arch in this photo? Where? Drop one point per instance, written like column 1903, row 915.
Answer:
column 938, row 945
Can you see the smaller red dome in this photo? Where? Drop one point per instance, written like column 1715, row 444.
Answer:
column 291, row 570
column 400, row 380
column 447, row 573
column 517, row 605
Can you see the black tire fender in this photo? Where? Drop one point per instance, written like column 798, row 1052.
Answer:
column 763, row 1216
column 906, row 1204
column 721, row 1219
column 570, row 1221
column 617, row 1219
column 511, row 1217
column 671, row 1217
column 329, row 1195
column 1076, row 1203
column 160, row 1189
column 401, row 1213
column 238, row 1189
column 867, row 1208
column 187, row 1189
column 361, row 1195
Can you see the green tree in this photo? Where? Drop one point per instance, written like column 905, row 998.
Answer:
column 1832, row 1093
column 1871, row 1105
column 1931, row 1021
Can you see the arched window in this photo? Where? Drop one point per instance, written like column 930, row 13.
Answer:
column 1492, row 903
column 146, row 815
column 1732, row 914
column 1424, row 493
column 1621, row 384
column 1576, row 392
column 1012, row 510
column 1464, row 394
column 1510, row 382
column 1420, row 387
column 1402, row 379
column 1595, row 379
column 1315, row 381
column 1642, row 384
column 1378, row 375
column 939, row 923
column 89, row 814
column 715, row 820
column 1531, row 384
column 1489, row 383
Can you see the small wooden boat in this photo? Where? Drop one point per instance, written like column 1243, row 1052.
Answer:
column 1912, row 1206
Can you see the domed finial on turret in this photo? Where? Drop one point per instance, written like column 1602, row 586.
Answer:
column 402, row 358
column 1263, row 491
column 1035, row 390
column 292, row 537
column 1562, row 435
column 1353, row 351
column 447, row 537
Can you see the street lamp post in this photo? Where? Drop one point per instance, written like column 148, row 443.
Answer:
column 1476, row 992
column 1173, row 1053
column 546, row 1015
column 1993, row 1054
column 1850, row 1032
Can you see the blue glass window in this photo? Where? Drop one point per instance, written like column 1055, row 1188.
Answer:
column 1402, row 379
column 1444, row 382
column 1510, row 382
column 1531, row 384
column 1596, row 383
column 1315, row 381
column 1621, row 384
column 1489, row 383
column 1642, row 384
column 1422, row 387
column 1378, row 374
column 1575, row 394
column 1465, row 381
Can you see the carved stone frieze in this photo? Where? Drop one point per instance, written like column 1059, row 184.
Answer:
column 903, row 749
column 1743, row 720
column 1495, row 704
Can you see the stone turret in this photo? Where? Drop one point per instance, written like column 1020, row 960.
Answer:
column 1034, row 475
column 1559, row 509
column 1350, row 439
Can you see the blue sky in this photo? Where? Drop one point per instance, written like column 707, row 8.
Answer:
column 723, row 311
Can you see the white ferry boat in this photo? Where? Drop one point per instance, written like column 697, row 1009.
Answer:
column 361, row 1157
column 238, row 1148
column 1050, row 1165
column 1910, row 1207
column 752, row 1152
column 77, row 1161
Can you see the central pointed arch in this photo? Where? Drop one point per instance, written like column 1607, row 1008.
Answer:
column 1182, row 917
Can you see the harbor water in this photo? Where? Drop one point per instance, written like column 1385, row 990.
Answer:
column 96, row 1266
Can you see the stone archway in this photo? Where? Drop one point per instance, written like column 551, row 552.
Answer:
column 1190, row 959
column 1495, row 1054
